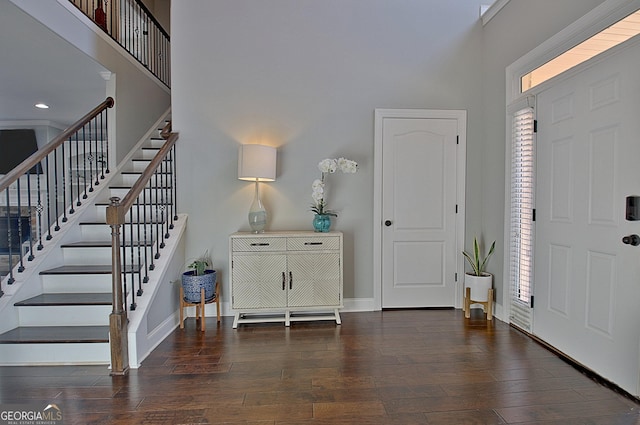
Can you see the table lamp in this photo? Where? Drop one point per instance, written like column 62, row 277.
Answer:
column 257, row 163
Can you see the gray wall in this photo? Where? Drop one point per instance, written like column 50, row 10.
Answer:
column 306, row 75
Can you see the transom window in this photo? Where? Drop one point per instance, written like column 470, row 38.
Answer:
column 606, row 39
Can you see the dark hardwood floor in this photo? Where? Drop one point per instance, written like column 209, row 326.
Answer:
column 391, row 367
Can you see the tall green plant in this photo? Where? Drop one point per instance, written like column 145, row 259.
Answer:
column 476, row 263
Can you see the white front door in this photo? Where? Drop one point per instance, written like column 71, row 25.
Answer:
column 587, row 281
column 418, row 219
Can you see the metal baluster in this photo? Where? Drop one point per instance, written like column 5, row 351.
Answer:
column 106, row 137
column 169, row 183
column 91, row 156
column 95, row 150
column 142, row 245
column 175, row 182
column 64, row 187
column 124, row 269
column 55, row 188
column 46, row 162
column 84, row 161
column 138, row 31
column 149, row 224
column 19, row 218
column 164, row 165
column 158, row 191
column 78, row 202
column 9, row 241
column 145, row 33
column 39, row 209
column 102, row 154
column 132, row 251
column 148, row 247
column 31, row 256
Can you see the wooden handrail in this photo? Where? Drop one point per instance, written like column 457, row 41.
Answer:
column 36, row 157
column 117, row 217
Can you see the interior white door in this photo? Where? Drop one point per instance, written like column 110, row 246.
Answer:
column 587, row 281
column 418, row 212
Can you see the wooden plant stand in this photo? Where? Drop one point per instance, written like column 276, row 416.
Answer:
column 199, row 307
column 486, row 305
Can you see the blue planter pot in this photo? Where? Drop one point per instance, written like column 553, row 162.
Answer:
column 322, row 223
column 191, row 285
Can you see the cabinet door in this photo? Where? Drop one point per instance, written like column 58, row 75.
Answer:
column 314, row 279
column 258, row 281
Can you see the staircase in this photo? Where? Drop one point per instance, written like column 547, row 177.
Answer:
column 68, row 322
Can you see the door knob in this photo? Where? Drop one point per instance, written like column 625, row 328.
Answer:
column 387, row 223
column 633, row 240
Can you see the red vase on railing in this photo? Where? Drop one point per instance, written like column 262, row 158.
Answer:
column 100, row 17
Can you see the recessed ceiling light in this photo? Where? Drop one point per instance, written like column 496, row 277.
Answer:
column 42, row 106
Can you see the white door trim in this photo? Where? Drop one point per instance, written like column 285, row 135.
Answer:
column 461, row 154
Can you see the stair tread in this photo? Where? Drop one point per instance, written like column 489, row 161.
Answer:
column 101, row 244
column 140, row 172
column 128, row 186
column 149, row 159
column 87, row 269
column 67, row 299
column 104, row 223
column 55, row 334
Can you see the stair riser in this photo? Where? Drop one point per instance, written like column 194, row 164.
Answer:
column 152, row 196
column 147, row 153
column 93, row 232
column 93, row 315
column 101, row 255
column 130, row 179
column 146, row 212
column 61, row 354
column 58, row 284
column 156, row 143
column 140, row 165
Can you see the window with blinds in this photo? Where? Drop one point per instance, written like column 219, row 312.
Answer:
column 522, row 205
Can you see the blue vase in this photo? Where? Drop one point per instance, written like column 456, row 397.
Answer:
column 322, row 223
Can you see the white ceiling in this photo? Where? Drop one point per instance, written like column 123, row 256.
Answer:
column 36, row 65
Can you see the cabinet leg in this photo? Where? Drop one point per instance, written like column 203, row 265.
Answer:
column 338, row 319
column 235, row 321
column 287, row 318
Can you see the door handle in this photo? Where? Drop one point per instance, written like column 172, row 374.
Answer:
column 633, row 240
column 387, row 223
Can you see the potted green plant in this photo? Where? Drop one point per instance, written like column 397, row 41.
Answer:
column 199, row 276
column 478, row 279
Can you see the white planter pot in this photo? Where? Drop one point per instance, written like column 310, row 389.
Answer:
column 479, row 285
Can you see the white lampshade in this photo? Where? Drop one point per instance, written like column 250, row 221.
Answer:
column 257, row 163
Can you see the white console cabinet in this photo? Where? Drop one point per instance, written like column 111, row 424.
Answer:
column 285, row 276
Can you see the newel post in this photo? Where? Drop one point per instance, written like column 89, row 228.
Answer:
column 118, row 318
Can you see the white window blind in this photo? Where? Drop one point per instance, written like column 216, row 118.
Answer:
column 522, row 205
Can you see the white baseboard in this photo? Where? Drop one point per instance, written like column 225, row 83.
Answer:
column 351, row 305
